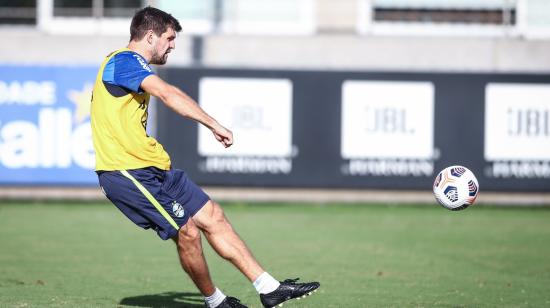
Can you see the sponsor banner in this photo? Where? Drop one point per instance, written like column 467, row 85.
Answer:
column 517, row 130
column 45, row 135
column 387, row 128
column 259, row 112
column 517, row 122
column 371, row 130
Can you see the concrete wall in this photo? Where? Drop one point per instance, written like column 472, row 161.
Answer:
column 353, row 52
column 336, row 46
column 332, row 51
column 31, row 46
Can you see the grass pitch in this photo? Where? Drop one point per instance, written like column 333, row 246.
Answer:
column 90, row 255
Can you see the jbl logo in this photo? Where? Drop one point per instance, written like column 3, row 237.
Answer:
column 528, row 122
column 388, row 120
column 249, row 117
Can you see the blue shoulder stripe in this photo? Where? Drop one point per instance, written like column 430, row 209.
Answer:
column 127, row 69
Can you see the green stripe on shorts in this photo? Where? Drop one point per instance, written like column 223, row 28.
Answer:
column 151, row 199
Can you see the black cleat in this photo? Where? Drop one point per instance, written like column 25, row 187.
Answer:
column 288, row 289
column 231, row 302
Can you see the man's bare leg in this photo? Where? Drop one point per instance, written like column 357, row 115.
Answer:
column 225, row 241
column 192, row 259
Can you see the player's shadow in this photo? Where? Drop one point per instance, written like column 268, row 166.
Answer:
column 166, row 299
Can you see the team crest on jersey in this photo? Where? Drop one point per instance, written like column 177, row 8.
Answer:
column 177, row 209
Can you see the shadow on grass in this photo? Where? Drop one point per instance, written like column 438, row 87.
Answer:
column 167, row 299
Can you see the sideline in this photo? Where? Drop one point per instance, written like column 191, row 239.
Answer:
column 256, row 194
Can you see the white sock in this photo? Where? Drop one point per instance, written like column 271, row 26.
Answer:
column 265, row 283
column 215, row 299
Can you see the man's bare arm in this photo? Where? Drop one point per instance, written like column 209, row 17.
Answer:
column 185, row 106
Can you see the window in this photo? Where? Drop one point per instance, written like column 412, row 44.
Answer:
column 269, row 16
column 499, row 12
column 18, row 12
column 94, row 8
column 285, row 17
column 121, row 8
column 196, row 16
column 535, row 20
column 107, row 17
column 244, row 16
column 78, row 8
column 462, row 17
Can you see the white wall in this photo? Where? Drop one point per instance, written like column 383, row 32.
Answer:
column 335, row 46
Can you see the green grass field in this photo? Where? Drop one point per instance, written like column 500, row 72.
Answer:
column 89, row 255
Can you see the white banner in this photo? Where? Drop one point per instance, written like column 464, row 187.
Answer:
column 386, row 119
column 517, row 122
column 258, row 111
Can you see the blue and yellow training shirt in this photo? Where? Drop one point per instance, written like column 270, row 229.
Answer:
column 119, row 116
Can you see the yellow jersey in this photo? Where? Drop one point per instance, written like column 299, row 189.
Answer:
column 119, row 112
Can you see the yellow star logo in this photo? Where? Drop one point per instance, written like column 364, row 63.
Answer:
column 82, row 100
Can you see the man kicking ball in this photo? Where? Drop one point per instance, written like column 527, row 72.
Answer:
column 135, row 172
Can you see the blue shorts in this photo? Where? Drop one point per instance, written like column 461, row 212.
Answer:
column 154, row 198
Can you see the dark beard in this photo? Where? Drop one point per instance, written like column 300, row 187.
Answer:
column 158, row 60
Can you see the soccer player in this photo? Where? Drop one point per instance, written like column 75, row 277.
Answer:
column 135, row 174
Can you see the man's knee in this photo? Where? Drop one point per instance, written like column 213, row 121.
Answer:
column 211, row 218
column 188, row 234
column 218, row 215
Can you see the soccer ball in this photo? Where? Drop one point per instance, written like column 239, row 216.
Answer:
column 455, row 188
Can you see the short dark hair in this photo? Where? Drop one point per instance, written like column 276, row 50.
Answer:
column 151, row 18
